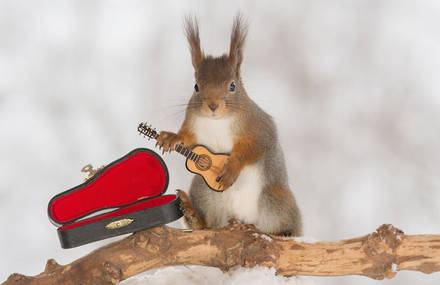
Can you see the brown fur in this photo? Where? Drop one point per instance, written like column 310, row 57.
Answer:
column 169, row 140
column 191, row 218
column 238, row 37
column 254, row 146
column 192, row 35
column 243, row 153
column 282, row 195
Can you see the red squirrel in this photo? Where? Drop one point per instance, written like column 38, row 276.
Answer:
column 221, row 116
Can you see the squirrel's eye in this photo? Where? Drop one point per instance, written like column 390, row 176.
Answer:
column 196, row 87
column 232, row 87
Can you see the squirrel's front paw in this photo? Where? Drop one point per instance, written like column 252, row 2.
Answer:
column 168, row 140
column 228, row 175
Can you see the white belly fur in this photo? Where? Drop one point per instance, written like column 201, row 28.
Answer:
column 242, row 197
column 216, row 134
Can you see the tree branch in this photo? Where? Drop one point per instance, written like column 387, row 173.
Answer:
column 377, row 255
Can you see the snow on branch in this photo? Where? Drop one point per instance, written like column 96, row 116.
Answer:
column 377, row 255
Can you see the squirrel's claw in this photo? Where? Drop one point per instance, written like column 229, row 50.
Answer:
column 219, row 179
column 168, row 141
column 227, row 176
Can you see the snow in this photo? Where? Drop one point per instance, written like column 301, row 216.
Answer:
column 353, row 87
column 266, row 237
column 263, row 236
column 305, row 239
column 199, row 275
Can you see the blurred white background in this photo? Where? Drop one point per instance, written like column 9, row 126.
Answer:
column 352, row 85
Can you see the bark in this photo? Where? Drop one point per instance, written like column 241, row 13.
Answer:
column 377, row 255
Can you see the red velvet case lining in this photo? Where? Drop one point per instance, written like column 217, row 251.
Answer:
column 133, row 208
column 143, row 176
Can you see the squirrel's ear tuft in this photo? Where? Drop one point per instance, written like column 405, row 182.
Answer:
column 192, row 34
column 238, row 37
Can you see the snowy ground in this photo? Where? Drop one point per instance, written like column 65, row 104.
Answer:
column 213, row 276
column 352, row 85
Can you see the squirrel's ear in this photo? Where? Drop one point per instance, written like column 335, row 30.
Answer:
column 238, row 37
column 192, row 34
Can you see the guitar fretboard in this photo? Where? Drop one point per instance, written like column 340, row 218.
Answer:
column 182, row 149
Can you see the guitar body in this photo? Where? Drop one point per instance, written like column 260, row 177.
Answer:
column 209, row 166
column 200, row 160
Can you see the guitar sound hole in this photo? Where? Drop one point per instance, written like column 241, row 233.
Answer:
column 204, row 162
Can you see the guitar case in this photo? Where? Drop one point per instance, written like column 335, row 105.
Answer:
column 125, row 196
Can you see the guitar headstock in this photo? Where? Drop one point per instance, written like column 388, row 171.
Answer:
column 147, row 131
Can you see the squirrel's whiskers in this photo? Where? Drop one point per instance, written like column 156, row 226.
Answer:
column 221, row 116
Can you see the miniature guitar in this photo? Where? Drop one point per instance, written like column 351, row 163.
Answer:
column 199, row 160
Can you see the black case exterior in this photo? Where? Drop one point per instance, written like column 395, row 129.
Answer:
column 142, row 219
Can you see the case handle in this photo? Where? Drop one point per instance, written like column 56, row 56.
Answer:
column 119, row 224
column 89, row 168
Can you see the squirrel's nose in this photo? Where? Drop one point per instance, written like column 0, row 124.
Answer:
column 213, row 106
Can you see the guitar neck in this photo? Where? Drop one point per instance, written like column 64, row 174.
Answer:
column 185, row 151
